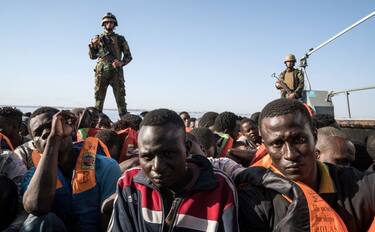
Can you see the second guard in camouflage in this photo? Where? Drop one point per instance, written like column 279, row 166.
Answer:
column 113, row 53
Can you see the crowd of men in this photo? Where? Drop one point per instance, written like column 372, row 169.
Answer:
column 281, row 169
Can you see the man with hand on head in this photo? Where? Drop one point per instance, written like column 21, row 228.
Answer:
column 69, row 183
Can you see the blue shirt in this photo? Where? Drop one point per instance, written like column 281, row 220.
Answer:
column 84, row 207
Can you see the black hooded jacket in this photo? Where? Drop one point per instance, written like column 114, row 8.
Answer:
column 263, row 208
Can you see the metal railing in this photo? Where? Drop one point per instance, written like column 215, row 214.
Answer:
column 347, row 93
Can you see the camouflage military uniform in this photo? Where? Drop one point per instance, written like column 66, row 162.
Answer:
column 112, row 46
column 298, row 83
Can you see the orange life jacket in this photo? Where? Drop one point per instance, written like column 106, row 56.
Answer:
column 129, row 136
column 5, row 139
column 264, row 161
column 372, row 227
column 84, row 177
column 322, row 216
column 35, row 157
column 260, row 153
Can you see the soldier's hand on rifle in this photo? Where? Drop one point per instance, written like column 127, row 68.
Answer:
column 278, row 85
column 117, row 64
column 292, row 96
column 62, row 124
column 95, row 41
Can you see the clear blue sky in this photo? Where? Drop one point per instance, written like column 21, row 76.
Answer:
column 187, row 55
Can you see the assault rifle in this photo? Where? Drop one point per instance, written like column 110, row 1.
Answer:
column 107, row 51
column 282, row 83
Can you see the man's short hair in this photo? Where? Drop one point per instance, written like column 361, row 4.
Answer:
column 44, row 109
column 247, row 120
column 370, row 145
column 332, row 131
column 161, row 117
column 225, row 121
column 132, row 120
column 41, row 110
column 143, row 114
column 204, row 136
column 324, row 120
column 12, row 113
column 184, row 112
column 77, row 111
column 109, row 137
column 207, row 119
column 255, row 117
column 191, row 137
column 104, row 116
column 283, row 106
column 121, row 125
column 104, row 121
column 27, row 114
column 93, row 109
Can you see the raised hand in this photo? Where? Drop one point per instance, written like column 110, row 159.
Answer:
column 63, row 124
column 95, row 40
column 278, row 85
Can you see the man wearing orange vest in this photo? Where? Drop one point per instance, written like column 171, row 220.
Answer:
column 295, row 192
column 70, row 182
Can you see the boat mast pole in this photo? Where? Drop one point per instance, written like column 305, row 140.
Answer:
column 303, row 61
column 341, row 33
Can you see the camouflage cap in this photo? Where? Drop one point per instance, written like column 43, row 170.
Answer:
column 109, row 17
column 290, row 57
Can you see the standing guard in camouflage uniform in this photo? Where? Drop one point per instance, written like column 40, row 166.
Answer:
column 293, row 79
column 113, row 53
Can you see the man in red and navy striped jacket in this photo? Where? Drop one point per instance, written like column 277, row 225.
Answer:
column 170, row 192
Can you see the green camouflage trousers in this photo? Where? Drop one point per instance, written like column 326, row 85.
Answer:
column 116, row 80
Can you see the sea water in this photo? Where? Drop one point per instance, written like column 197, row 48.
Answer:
column 111, row 113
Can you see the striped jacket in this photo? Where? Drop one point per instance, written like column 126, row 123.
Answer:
column 210, row 205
